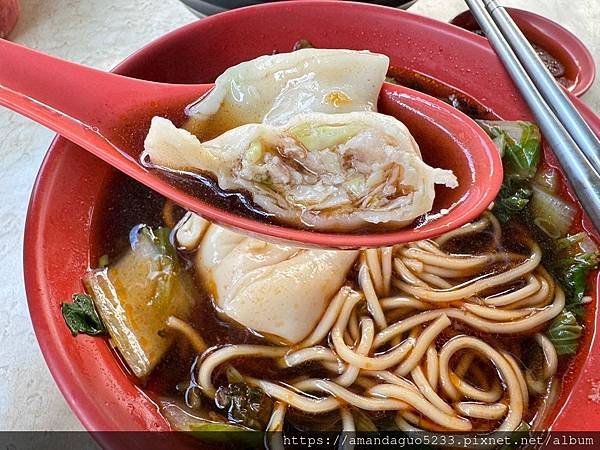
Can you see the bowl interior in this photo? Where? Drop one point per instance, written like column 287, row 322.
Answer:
column 68, row 201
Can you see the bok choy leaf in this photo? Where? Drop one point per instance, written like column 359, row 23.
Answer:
column 564, row 333
column 209, row 427
column 81, row 316
column 571, row 259
column 519, row 144
column 575, row 256
column 363, row 422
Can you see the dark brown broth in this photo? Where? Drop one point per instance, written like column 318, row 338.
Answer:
column 206, row 188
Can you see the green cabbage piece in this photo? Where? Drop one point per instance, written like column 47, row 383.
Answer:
column 81, row 316
column 519, row 144
column 572, row 266
column 564, row 332
column 363, row 422
column 208, row 426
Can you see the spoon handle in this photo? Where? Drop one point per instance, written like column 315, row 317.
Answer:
column 66, row 96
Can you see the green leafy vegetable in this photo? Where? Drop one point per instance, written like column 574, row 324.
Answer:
column 245, row 405
column 209, row 426
column 564, row 332
column 517, row 436
column 519, row 144
column 512, row 199
column 362, row 422
column 572, row 266
column 522, row 155
column 570, row 260
column 575, row 274
column 81, row 316
column 166, row 263
column 162, row 238
column 531, row 196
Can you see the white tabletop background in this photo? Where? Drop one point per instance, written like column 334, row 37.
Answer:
column 101, row 33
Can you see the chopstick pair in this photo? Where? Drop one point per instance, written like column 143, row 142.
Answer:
column 573, row 142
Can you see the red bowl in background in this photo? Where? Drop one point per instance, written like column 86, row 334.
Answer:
column 9, row 16
column 61, row 236
column 580, row 68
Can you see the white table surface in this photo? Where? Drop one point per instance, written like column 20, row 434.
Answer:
column 100, row 33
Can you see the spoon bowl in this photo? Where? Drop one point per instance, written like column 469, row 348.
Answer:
column 94, row 109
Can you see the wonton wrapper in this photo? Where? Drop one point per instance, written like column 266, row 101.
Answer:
column 277, row 290
column 275, row 88
column 332, row 172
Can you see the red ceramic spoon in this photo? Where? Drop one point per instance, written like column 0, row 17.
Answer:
column 86, row 106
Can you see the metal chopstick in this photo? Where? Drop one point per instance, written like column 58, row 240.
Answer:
column 546, row 84
column 584, row 179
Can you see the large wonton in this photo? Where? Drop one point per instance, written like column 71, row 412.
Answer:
column 326, row 171
column 275, row 88
column 277, row 290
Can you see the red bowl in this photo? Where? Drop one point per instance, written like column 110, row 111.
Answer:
column 62, row 235
column 580, row 69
